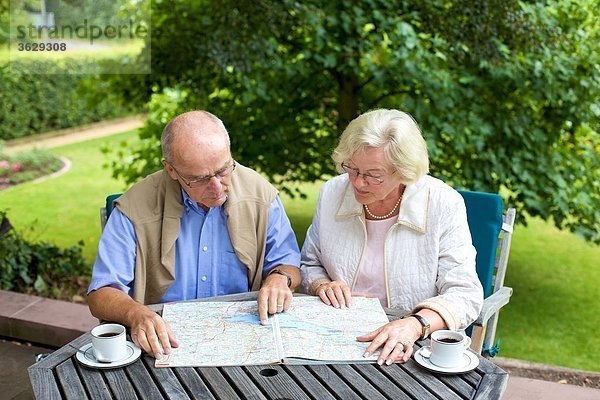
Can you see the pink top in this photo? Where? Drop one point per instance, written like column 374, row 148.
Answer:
column 371, row 276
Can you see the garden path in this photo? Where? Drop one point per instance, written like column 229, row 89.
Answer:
column 73, row 135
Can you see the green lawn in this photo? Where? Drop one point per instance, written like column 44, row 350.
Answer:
column 300, row 211
column 66, row 209
column 554, row 313
column 552, row 317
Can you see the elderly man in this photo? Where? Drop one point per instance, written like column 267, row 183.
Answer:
column 203, row 226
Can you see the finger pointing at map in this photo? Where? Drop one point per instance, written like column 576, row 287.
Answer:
column 276, row 294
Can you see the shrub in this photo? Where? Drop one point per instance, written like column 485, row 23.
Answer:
column 40, row 268
column 26, row 166
column 58, row 96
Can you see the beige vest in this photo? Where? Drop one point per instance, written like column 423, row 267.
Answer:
column 155, row 205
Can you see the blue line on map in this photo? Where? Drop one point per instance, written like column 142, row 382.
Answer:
column 245, row 318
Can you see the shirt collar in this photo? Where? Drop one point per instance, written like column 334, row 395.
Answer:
column 191, row 205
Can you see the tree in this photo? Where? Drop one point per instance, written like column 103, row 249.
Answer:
column 4, row 22
column 506, row 92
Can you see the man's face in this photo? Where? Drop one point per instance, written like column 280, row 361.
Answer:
column 203, row 167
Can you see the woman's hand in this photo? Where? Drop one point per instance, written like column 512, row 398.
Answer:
column 397, row 339
column 335, row 293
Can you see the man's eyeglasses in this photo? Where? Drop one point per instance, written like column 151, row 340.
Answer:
column 370, row 179
column 205, row 180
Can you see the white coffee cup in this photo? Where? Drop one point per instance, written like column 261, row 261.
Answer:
column 109, row 342
column 448, row 347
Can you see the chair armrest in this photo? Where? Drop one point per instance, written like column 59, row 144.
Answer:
column 493, row 304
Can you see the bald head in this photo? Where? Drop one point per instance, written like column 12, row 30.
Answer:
column 196, row 154
column 193, row 132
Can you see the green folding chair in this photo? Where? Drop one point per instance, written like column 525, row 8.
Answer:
column 491, row 232
column 107, row 208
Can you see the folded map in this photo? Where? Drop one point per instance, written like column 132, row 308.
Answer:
column 230, row 333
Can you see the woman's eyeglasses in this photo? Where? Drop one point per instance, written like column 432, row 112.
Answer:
column 370, row 179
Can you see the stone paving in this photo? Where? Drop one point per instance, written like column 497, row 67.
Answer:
column 16, row 358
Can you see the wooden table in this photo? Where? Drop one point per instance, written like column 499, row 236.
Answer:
column 60, row 376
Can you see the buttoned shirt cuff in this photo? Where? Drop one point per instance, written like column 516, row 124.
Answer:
column 444, row 309
column 313, row 286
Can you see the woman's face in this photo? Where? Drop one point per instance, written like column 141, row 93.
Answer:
column 371, row 162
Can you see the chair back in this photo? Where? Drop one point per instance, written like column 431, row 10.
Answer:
column 491, row 232
column 109, row 205
column 484, row 215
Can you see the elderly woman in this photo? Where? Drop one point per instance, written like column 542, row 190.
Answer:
column 384, row 228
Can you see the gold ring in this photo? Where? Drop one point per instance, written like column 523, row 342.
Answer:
column 279, row 305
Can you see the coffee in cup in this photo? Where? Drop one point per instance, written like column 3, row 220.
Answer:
column 109, row 342
column 448, row 347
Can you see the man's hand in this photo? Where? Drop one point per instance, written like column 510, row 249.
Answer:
column 148, row 330
column 152, row 333
column 335, row 293
column 274, row 296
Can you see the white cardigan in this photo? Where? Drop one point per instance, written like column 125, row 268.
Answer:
column 430, row 260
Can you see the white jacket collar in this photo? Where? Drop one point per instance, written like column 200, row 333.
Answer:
column 349, row 207
column 413, row 209
column 414, row 206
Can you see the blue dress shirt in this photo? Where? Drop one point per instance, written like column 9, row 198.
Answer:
column 205, row 262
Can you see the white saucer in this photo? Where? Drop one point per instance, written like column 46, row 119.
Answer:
column 85, row 355
column 469, row 362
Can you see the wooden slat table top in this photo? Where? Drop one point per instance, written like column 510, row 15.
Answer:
column 61, row 376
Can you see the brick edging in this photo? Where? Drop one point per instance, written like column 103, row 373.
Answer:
column 40, row 320
column 503, row 362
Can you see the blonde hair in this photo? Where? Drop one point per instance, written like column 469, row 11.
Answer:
column 396, row 132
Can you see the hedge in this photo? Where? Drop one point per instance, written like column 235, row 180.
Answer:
column 40, row 268
column 55, row 99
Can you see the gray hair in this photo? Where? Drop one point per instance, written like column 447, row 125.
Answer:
column 191, row 120
column 396, row 132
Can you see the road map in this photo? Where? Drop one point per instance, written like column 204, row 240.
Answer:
column 230, row 333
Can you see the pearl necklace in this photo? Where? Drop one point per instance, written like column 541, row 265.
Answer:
column 386, row 216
